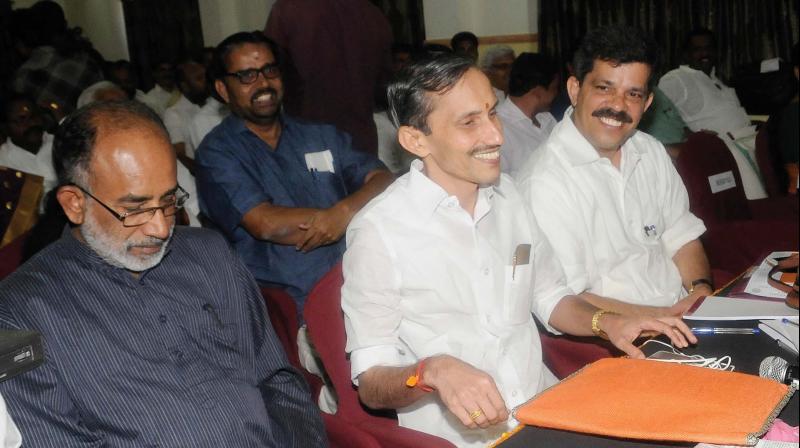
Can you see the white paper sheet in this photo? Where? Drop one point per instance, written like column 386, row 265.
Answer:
column 758, row 284
column 734, row 308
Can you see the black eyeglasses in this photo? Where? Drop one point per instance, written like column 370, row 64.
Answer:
column 143, row 216
column 249, row 76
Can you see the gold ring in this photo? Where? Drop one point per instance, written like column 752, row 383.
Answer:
column 475, row 414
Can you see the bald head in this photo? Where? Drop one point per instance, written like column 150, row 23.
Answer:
column 76, row 138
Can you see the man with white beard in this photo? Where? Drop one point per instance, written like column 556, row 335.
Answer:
column 154, row 334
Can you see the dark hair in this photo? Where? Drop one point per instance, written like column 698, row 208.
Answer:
column 698, row 32
column 530, row 70
column 409, row 94
column 236, row 40
column 75, row 138
column 401, row 47
column 463, row 36
column 616, row 44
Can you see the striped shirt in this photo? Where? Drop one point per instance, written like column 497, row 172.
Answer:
column 181, row 356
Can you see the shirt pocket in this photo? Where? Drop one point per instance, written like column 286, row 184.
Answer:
column 517, row 298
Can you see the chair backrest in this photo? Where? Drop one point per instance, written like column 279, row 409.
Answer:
column 702, row 156
column 282, row 312
column 767, row 162
column 323, row 314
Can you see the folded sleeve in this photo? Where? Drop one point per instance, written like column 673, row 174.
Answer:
column 370, row 300
column 549, row 284
column 682, row 226
column 227, row 188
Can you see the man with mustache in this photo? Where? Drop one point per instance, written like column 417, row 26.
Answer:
column 607, row 196
column 155, row 335
column 282, row 190
column 707, row 104
column 28, row 147
column 445, row 268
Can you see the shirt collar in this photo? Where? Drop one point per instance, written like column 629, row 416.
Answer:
column 577, row 149
column 712, row 75
column 512, row 111
column 238, row 126
column 427, row 196
column 84, row 254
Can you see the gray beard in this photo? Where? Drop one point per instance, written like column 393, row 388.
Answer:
column 116, row 253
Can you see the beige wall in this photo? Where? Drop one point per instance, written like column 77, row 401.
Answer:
column 221, row 18
column 508, row 22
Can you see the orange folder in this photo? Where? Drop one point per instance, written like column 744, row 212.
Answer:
column 651, row 400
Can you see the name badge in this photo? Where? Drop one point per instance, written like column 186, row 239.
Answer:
column 321, row 161
column 722, row 181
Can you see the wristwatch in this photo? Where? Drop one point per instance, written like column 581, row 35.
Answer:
column 701, row 281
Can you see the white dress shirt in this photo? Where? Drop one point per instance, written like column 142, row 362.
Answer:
column 422, row 277
column 207, row 118
column 192, row 205
column 521, row 137
column 614, row 231
column 705, row 102
column 40, row 164
column 177, row 117
column 159, row 99
column 390, row 151
column 9, row 434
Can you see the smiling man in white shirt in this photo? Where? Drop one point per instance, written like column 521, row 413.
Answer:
column 607, row 196
column 445, row 268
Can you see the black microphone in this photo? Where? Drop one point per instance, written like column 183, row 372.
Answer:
column 778, row 369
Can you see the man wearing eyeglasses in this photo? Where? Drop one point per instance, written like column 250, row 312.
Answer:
column 282, row 190
column 154, row 335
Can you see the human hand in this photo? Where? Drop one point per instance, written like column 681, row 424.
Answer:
column 324, row 227
column 469, row 393
column 622, row 330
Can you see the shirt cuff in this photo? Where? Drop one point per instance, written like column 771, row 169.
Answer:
column 544, row 308
column 363, row 359
column 687, row 228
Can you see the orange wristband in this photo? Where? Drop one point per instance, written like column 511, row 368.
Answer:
column 415, row 380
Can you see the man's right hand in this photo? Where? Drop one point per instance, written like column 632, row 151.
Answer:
column 469, row 393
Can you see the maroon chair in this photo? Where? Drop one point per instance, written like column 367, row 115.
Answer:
column 11, row 255
column 565, row 355
column 739, row 231
column 323, row 314
column 346, row 435
column 767, row 161
column 282, row 311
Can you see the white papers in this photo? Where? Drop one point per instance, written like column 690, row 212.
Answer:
column 722, row 181
column 321, row 161
column 734, row 308
column 758, row 284
column 770, row 65
column 786, row 333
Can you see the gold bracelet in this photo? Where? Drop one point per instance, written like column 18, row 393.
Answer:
column 596, row 320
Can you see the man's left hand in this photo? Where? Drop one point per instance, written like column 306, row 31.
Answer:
column 622, row 330
column 324, row 227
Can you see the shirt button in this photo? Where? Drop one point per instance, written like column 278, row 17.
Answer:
column 162, row 318
column 486, row 271
column 514, row 393
column 177, row 354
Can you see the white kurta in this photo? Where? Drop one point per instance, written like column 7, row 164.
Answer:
column 614, row 231
column 206, row 119
column 520, row 136
column 422, row 277
column 705, row 102
column 176, row 118
column 40, row 164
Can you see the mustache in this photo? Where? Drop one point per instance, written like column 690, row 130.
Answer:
column 263, row 91
column 148, row 241
column 612, row 114
column 482, row 148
